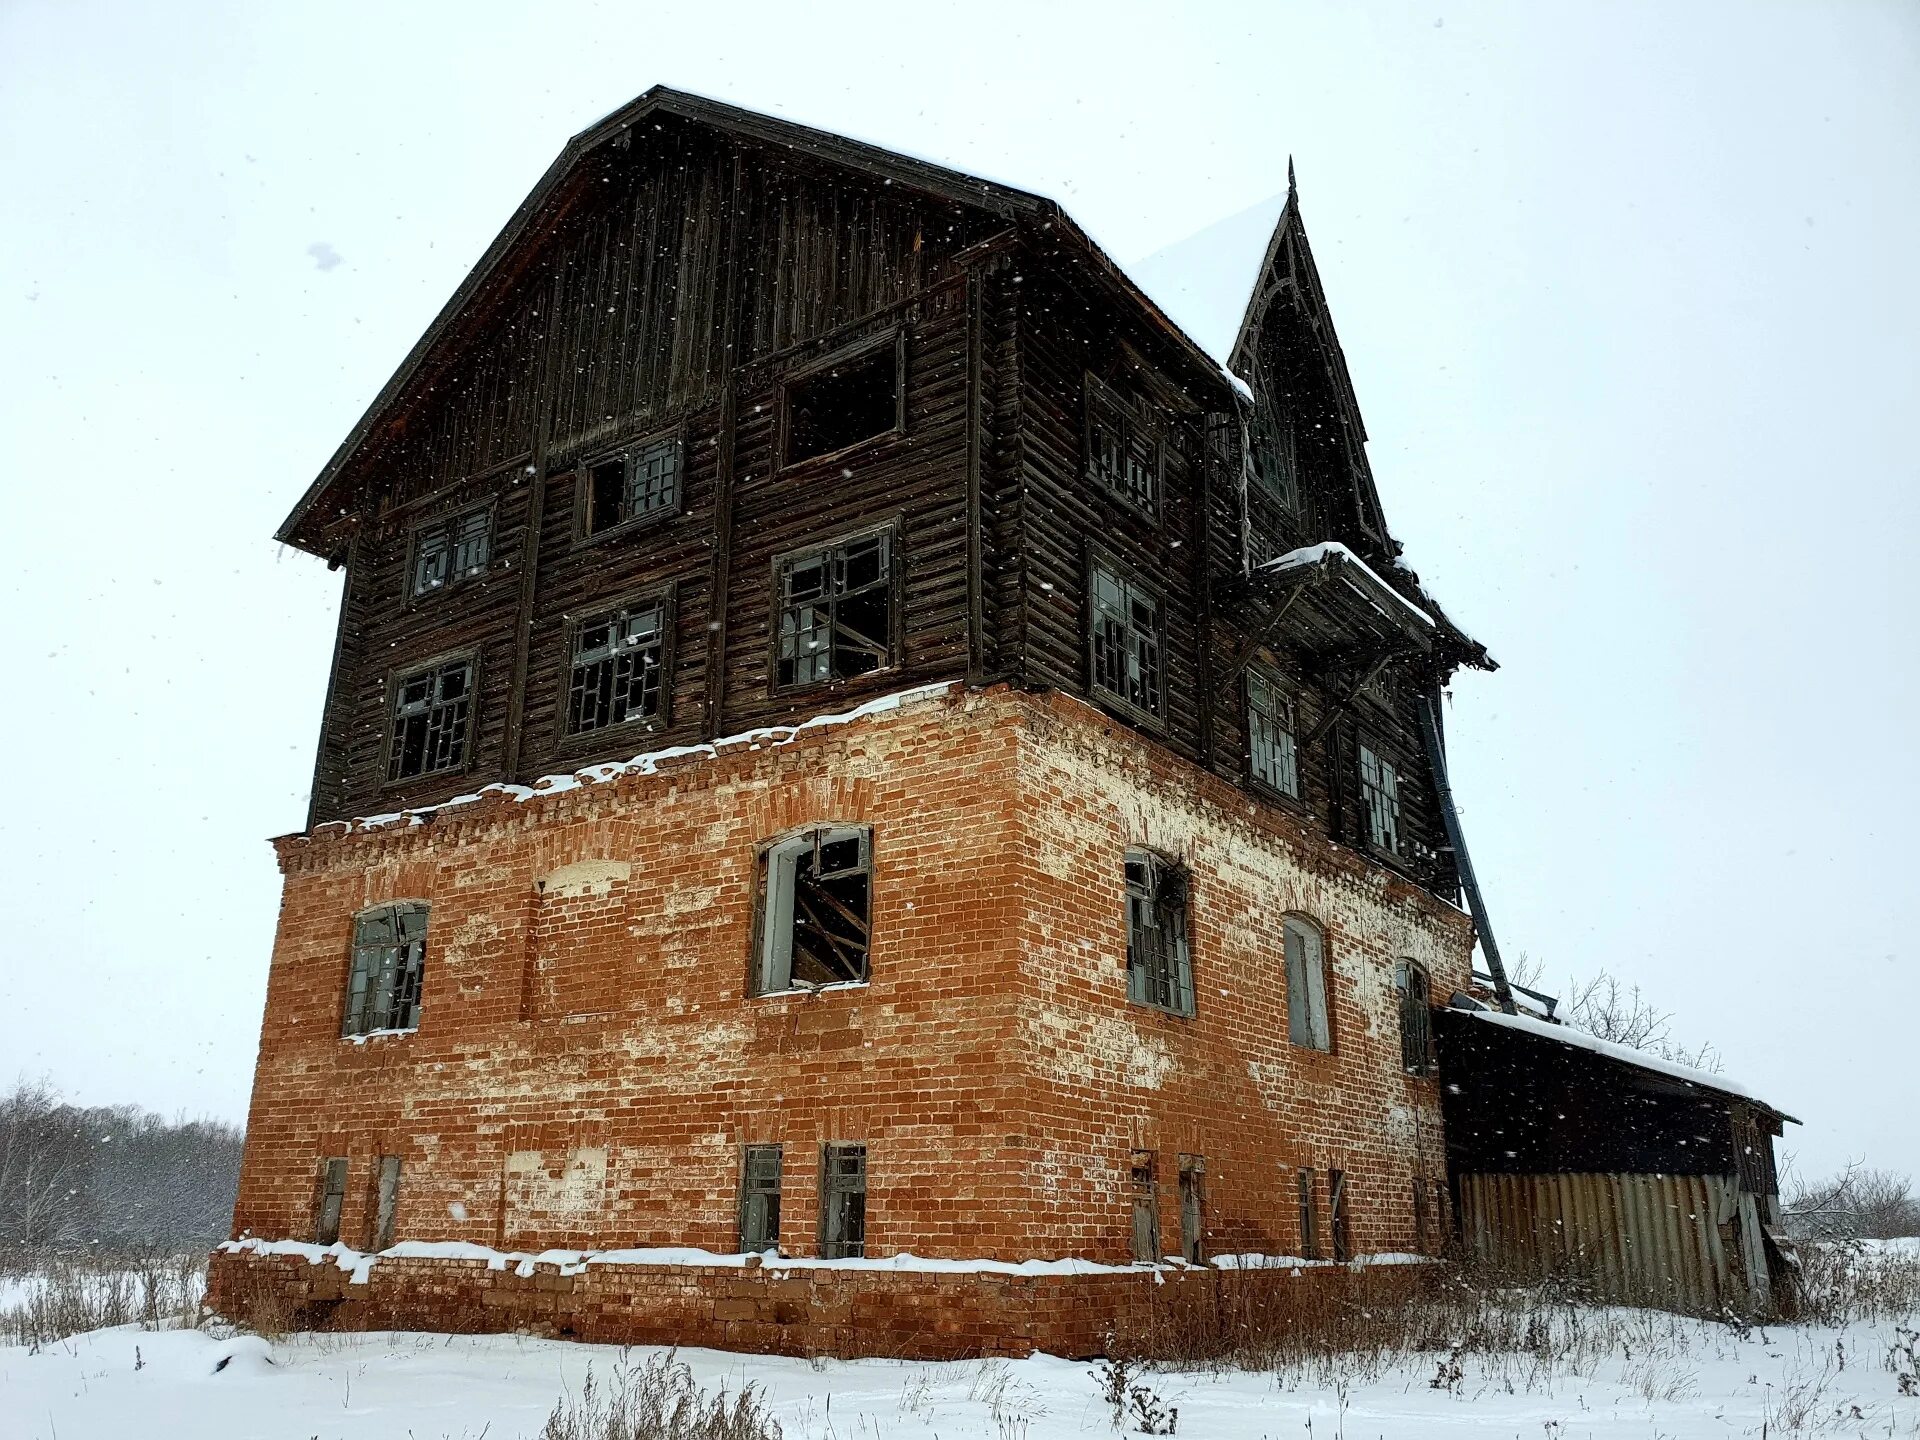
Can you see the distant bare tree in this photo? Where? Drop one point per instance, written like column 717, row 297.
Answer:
column 1856, row 1204
column 1609, row 1010
column 42, row 1164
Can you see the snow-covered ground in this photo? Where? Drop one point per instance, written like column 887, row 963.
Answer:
column 1681, row 1379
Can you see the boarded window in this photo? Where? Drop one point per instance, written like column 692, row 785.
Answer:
column 386, row 1201
column 836, row 611
column 389, row 959
column 1270, row 735
column 1306, row 984
column 1309, row 1229
column 1416, row 1018
column 431, row 711
column 1124, row 455
column 1146, row 1207
column 619, row 668
column 1380, row 794
column 815, row 891
column 1421, row 1242
column 1337, row 1210
column 452, row 548
column 843, row 1202
column 641, row 480
column 1159, row 971
column 1193, row 1199
column 759, row 1198
column 330, row 1193
column 1128, row 643
column 843, row 404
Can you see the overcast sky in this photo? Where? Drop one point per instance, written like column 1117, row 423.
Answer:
column 1629, row 295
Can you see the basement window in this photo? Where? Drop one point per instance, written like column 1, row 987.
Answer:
column 1271, row 748
column 844, row 402
column 1306, row 983
column 815, row 890
column 1193, row 1197
column 759, row 1198
column 1309, row 1229
column 619, row 668
column 631, row 484
column 1416, row 1018
column 1146, row 1207
column 329, row 1193
column 1337, row 1215
column 386, row 1201
column 452, row 548
column 1380, row 794
column 389, row 958
column 1159, row 971
column 1123, row 454
column 432, row 708
column 843, row 1202
column 836, row 611
column 1128, row 644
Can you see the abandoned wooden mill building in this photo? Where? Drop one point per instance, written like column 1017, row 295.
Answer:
column 873, row 794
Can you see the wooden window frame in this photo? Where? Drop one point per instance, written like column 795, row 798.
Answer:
column 889, row 530
column 397, row 676
column 583, row 534
column 329, row 1198
column 450, row 518
column 1099, row 559
column 1131, row 425
column 837, row 1247
column 1143, row 1187
column 1364, row 746
column 1179, row 982
column 757, row 960
column 849, row 354
column 1309, row 924
column 1289, row 696
column 1193, row 1209
column 348, row 1031
column 752, row 1186
column 1305, row 1190
column 666, row 597
column 1425, row 1065
column 1339, row 1216
column 384, row 1201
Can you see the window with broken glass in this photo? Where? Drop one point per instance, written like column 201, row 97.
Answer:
column 329, row 1193
column 1339, row 1225
column 386, row 1202
column 619, row 668
column 432, row 708
column 1159, row 971
column 1193, row 1192
column 641, row 480
column 389, row 959
column 1380, row 794
column 452, row 548
column 1309, row 1230
column 815, row 892
column 1306, row 983
column 836, row 611
column 1146, row 1207
column 1270, row 735
column 1128, row 643
column 1416, row 1018
column 759, row 1198
column 843, row 1202
column 1124, row 456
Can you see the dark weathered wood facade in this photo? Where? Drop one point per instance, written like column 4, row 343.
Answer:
column 676, row 269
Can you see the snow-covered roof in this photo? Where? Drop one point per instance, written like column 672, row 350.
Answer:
column 1205, row 281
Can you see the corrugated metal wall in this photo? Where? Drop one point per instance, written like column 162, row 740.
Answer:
column 1681, row 1242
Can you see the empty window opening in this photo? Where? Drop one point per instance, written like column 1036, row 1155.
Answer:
column 843, row 1202
column 1129, row 644
column 451, row 549
column 431, row 711
column 1309, row 1228
column 1124, row 455
column 815, row 895
column 1159, row 970
column 1337, row 1208
column 619, row 668
column 639, row 481
column 1193, row 1200
column 386, row 1201
column 1272, row 465
column 1306, row 984
column 330, row 1193
column 1380, row 793
column 1416, row 1018
column 389, row 958
column 1270, row 735
column 759, row 1199
column 842, row 404
column 1146, row 1207
column 836, row 612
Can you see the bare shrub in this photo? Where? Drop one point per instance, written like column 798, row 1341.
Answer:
column 71, row 1295
column 658, row 1400
column 1856, row 1204
column 1843, row 1281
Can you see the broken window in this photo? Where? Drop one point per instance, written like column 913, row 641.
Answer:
column 386, row 1199
column 329, row 1193
column 1337, row 1223
column 1309, row 1231
column 1272, row 465
column 1193, row 1193
column 641, row 480
column 759, row 1199
column 814, row 898
column 1380, row 793
column 452, row 548
column 431, row 711
column 619, row 668
column 836, row 611
column 1306, row 984
column 1146, row 1206
column 1123, row 453
column 1128, row 643
column 843, row 1202
column 1416, row 1018
column 843, row 403
column 389, row 956
column 1159, row 972
column 1270, row 735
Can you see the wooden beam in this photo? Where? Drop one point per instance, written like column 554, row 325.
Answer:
column 720, row 577
column 976, row 424
column 1340, row 706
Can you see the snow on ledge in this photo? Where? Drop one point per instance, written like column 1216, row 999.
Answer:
column 1626, row 1054
column 1315, row 554
column 647, row 763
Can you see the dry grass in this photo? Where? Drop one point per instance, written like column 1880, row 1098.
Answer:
column 658, row 1400
column 1844, row 1281
column 73, row 1294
